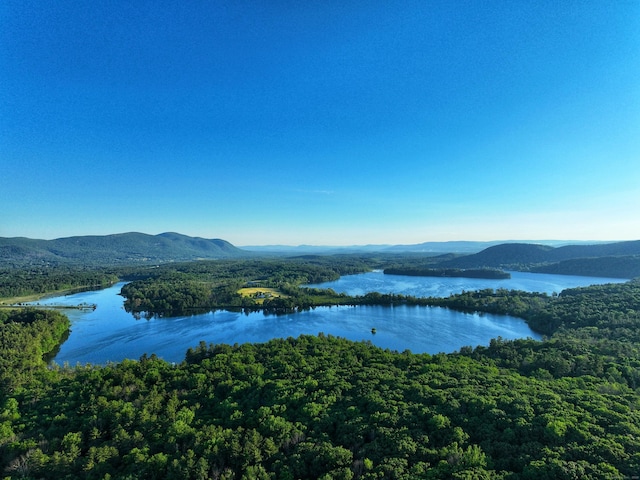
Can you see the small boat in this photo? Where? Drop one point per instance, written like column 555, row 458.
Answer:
column 373, row 330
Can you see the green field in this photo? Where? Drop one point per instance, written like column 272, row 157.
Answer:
column 259, row 294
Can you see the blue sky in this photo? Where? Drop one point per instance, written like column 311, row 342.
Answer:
column 325, row 123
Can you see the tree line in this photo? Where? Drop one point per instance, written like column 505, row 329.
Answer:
column 41, row 280
column 324, row 407
column 491, row 273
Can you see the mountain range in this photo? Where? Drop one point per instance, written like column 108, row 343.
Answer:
column 617, row 259
column 510, row 254
column 122, row 248
column 433, row 248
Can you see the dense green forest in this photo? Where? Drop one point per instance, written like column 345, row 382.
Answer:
column 39, row 281
column 448, row 272
column 26, row 336
column 203, row 286
column 606, row 260
column 323, row 407
column 614, row 267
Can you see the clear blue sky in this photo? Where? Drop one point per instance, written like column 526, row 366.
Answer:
column 325, row 123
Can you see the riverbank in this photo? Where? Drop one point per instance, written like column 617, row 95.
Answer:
column 16, row 302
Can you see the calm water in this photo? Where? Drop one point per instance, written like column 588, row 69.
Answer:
column 110, row 334
column 443, row 286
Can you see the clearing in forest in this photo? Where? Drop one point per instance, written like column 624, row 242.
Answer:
column 260, row 293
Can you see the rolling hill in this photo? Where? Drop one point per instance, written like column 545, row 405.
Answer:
column 123, row 248
column 620, row 259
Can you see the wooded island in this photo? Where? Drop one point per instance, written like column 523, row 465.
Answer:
column 491, row 273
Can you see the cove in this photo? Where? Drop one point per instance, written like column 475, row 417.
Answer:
column 109, row 334
column 377, row 281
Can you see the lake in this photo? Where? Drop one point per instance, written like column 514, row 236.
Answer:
column 110, row 334
column 377, row 281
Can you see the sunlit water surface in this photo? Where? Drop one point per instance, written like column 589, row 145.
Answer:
column 109, row 334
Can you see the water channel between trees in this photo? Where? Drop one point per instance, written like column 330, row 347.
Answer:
column 109, row 334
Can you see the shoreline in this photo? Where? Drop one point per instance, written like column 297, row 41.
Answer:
column 14, row 302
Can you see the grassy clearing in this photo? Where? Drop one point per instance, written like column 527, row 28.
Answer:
column 260, row 293
column 256, row 291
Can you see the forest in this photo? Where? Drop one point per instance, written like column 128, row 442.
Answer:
column 204, row 286
column 448, row 272
column 37, row 281
column 325, row 407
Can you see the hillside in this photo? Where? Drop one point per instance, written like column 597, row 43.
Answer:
column 505, row 254
column 620, row 259
column 123, row 248
column 322, row 407
column 627, row 266
column 569, row 252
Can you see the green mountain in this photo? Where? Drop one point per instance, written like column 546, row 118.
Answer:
column 627, row 266
column 619, row 259
column 123, row 248
column 569, row 252
column 505, row 254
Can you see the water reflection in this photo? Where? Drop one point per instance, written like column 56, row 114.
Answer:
column 111, row 334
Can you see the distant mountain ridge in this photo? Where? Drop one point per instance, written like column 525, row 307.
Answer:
column 434, row 248
column 619, row 259
column 121, row 248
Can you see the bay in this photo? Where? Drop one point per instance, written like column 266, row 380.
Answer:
column 110, row 334
column 377, row 281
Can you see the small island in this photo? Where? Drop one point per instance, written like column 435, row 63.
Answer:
column 490, row 273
